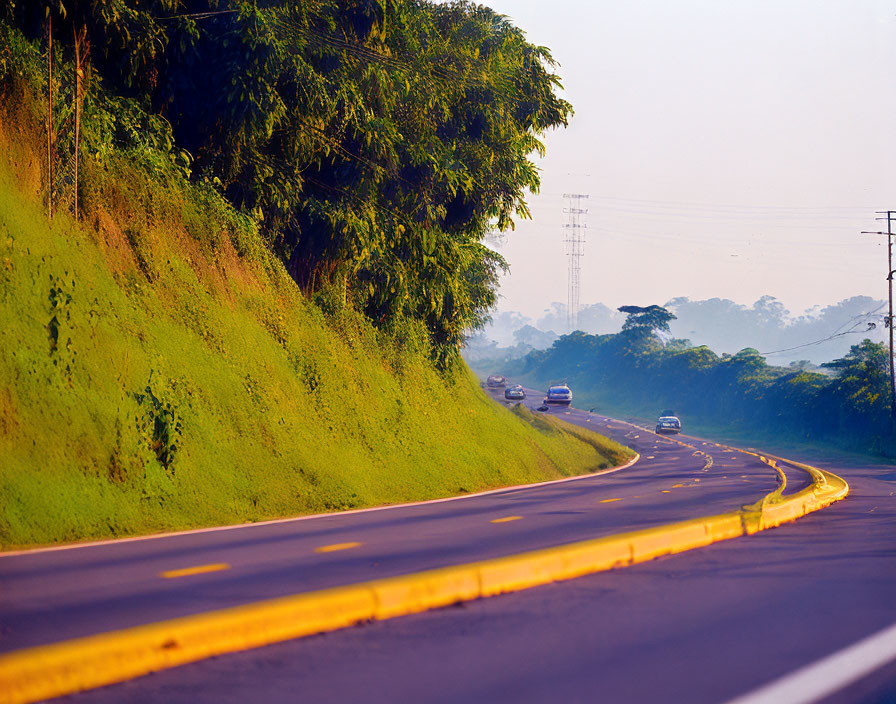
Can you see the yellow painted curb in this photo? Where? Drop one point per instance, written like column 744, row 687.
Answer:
column 83, row 663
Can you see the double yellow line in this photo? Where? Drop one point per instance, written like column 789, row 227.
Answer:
column 83, row 663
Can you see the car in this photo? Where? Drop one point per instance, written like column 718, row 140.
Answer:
column 496, row 381
column 515, row 393
column 668, row 424
column 559, row 394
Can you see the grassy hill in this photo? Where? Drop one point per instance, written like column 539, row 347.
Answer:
column 159, row 370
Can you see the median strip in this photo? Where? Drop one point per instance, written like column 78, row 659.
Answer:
column 62, row 668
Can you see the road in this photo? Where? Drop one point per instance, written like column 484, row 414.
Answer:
column 707, row 625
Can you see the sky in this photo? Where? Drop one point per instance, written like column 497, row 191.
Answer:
column 729, row 149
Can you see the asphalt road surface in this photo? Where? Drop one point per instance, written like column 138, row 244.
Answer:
column 704, row 626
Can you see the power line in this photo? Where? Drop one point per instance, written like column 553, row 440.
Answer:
column 639, row 202
column 833, row 335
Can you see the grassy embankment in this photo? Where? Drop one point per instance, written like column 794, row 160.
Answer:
column 159, row 371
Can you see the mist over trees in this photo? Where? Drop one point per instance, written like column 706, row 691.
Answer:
column 722, row 325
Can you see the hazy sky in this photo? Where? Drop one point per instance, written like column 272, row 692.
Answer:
column 730, row 149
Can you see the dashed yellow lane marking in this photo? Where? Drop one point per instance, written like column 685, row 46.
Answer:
column 652, row 457
column 666, row 491
column 677, row 486
column 606, row 501
column 505, row 519
column 190, row 571
column 337, row 546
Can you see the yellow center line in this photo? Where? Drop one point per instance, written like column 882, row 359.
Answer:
column 505, row 519
column 606, row 501
column 677, row 486
column 666, row 491
column 336, row 546
column 189, row 571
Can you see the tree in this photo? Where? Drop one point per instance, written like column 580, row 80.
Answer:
column 376, row 142
column 646, row 320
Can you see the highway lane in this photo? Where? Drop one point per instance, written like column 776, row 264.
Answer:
column 703, row 626
column 53, row 595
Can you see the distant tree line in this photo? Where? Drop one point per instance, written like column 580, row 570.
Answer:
column 375, row 142
column 635, row 369
column 817, row 335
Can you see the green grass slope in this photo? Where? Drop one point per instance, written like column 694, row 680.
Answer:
column 159, row 371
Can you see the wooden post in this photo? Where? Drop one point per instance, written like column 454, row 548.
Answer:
column 50, row 113
column 78, row 74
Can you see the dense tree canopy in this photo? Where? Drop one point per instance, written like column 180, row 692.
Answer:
column 376, row 142
column 639, row 374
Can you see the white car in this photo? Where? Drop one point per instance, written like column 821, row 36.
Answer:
column 559, row 394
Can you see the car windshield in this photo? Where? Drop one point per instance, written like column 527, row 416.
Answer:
column 559, row 389
column 669, row 420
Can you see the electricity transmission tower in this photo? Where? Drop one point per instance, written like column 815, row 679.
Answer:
column 574, row 236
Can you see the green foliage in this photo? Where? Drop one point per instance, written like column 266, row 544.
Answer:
column 741, row 392
column 160, row 424
column 646, row 320
column 376, row 141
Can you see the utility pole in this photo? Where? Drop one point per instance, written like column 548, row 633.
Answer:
column 890, row 216
column 574, row 230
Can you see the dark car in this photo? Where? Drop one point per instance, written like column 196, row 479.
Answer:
column 515, row 393
column 668, row 424
column 496, row 381
column 559, row 394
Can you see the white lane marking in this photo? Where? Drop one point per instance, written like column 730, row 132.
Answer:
column 315, row 516
column 828, row 675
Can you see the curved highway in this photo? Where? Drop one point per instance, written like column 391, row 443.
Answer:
column 708, row 625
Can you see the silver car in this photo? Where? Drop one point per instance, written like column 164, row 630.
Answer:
column 559, row 394
column 515, row 393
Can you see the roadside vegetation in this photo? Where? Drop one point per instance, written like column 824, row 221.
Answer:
column 212, row 340
column 641, row 371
